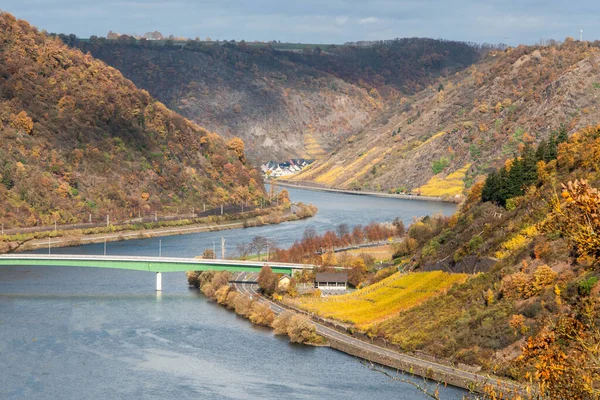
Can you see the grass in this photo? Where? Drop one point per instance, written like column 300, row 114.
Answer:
column 382, row 300
column 379, row 253
column 451, row 185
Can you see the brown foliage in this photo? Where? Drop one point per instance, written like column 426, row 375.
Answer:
column 108, row 147
column 261, row 314
column 267, row 280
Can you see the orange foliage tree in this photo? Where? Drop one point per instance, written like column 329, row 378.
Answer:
column 578, row 217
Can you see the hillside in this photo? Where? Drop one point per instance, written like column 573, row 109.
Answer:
column 368, row 306
column 441, row 140
column 78, row 139
column 282, row 103
column 532, row 309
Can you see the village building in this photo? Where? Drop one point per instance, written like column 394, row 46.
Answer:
column 331, row 280
column 272, row 169
column 284, row 282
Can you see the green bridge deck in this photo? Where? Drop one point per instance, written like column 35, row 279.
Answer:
column 151, row 264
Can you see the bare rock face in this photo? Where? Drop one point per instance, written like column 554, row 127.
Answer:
column 283, row 103
column 441, row 140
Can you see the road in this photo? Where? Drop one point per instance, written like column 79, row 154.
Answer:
column 363, row 193
column 466, row 377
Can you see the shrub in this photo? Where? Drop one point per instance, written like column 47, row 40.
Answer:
column 243, row 305
column 208, row 290
column 222, row 293
column 261, row 314
column 192, row 278
column 405, row 248
column 475, row 243
column 542, row 277
column 439, row 165
column 280, row 324
column 231, row 298
column 514, row 285
column 585, row 287
column 300, row 330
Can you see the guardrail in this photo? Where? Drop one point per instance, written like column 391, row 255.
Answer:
column 217, row 211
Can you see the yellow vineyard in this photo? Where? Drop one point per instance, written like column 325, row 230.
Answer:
column 451, row 185
column 382, row 300
column 312, row 146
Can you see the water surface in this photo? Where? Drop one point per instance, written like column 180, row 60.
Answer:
column 85, row 333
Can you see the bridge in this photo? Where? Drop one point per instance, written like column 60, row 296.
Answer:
column 151, row 264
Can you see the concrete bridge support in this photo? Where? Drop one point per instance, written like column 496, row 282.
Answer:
column 159, row 281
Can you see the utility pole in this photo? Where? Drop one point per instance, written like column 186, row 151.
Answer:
column 221, row 209
column 222, row 248
column 55, row 226
column 49, row 245
column 581, row 35
column 155, row 216
column 90, row 218
column 159, row 248
column 107, row 220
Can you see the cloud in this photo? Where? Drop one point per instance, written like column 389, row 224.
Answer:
column 341, row 20
column 368, row 20
column 319, row 21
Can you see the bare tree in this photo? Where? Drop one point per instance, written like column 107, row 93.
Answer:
column 342, row 230
column 261, row 244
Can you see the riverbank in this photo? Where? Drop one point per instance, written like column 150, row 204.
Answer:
column 77, row 237
column 308, row 186
column 339, row 338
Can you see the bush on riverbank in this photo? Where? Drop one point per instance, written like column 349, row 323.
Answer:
column 215, row 285
column 298, row 328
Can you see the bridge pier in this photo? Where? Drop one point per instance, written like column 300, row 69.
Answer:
column 158, row 281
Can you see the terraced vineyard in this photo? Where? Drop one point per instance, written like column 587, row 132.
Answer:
column 382, row 300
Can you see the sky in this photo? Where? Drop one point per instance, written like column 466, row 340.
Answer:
column 319, row 21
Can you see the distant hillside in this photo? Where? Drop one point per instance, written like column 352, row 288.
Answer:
column 444, row 138
column 282, row 103
column 77, row 138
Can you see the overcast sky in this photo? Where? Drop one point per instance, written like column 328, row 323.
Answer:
column 319, row 21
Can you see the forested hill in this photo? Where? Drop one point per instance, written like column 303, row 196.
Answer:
column 282, row 103
column 531, row 235
column 444, row 138
column 76, row 137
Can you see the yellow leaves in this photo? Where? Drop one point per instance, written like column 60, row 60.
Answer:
column 66, row 104
column 145, row 196
column 63, row 189
column 579, row 218
column 21, row 122
column 517, row 322
column 557, row 293
column 520, row 284
column 383, row 299
column 237, row 145
column 451, row 185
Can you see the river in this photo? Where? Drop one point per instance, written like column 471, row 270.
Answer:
column 84, row 333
